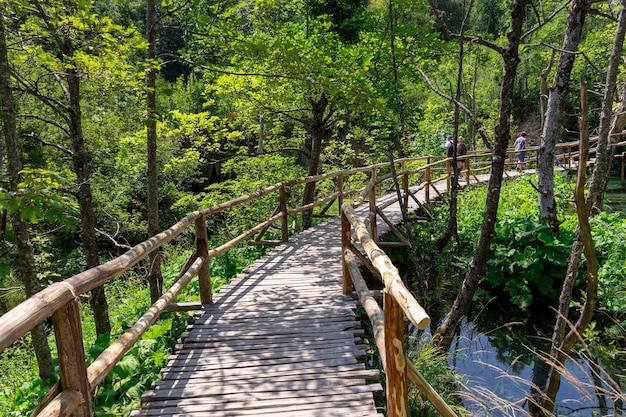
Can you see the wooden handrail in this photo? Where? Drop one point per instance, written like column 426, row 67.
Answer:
column 59, row 298
column 386, row 332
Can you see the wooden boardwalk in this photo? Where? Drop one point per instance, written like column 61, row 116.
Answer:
column 280, row 340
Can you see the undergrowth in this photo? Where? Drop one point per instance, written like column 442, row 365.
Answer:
column 21, row 389
column 527, row 265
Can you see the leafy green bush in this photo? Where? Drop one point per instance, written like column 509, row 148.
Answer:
column 609, row 236
column 122, row 388
column 527, row 260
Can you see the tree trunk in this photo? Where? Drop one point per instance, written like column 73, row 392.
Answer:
column 98, row 299
column 452, row 229
column 398, row 141
column 317, row 129
column 551, row 126
column 26, row 258
column 445, row 333
column 606, row 131
column 155, row 278
column 593, row 204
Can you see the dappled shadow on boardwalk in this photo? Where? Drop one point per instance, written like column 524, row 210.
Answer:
column 281, row 339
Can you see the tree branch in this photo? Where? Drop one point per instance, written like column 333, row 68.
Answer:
column 47, row 121
column 462, row 37
column 545, row 21
column 52, row 145
column 34, row 91
column 451, row 99
column 115, row 242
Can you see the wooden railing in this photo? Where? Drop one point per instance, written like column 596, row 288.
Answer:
column 388, row 325
column 60, row 301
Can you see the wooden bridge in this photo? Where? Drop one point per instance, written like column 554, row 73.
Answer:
column 282, row 338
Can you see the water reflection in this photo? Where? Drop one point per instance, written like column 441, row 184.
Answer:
column 500, row 350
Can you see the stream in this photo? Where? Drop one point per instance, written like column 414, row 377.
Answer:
column 498, row 354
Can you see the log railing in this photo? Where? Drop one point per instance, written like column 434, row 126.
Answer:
column 60, row 301
column 388, row 326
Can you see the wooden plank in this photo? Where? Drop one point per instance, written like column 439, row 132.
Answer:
column 321, row 361
column 233, row 394
column 251, row 341
column 292, row 405
column 210, row 356
column 200, row 335
column 242, row 400
column 303, row 368
column 263, row 325
column 360, row 411
column 241, row 346
column 286, row 301
column 213, row 334
column 185, row 387
column 274, row 316
column 370, row 375
column 225, row 363
column 257, row 350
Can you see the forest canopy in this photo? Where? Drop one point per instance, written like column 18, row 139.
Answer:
column 121, row 117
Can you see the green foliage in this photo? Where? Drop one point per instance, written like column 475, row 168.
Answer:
column 20, row 386
column 40, row 196
column 122, row 388
column 609, row 237
column 434, row 367
column 249, row 174
column 120, row 392
column 526, row 260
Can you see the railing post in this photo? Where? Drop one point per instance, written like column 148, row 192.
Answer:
column 569, row 157
column 396, row 367
column 427, row 180
column 405, row 187
column 372, row 205
column 346, row 241
column 283, row 210
column 72, row 363
column 340, row 187
column 466, row 165
column 204, row 274
column 448, row 174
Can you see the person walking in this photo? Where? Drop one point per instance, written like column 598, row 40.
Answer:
column 520, row 148
column 461, row 151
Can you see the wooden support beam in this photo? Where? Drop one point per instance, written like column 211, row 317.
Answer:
column 396, row 368
column 63, row 405
column 69, row 337
column 202, row 250
column 346, row 243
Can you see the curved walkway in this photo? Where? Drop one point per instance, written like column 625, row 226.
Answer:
column 280, row 340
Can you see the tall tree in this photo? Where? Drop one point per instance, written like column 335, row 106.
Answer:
column 26, row 258
column 551, row 126
column 155, row 277
column 299, row 71
column 58, row 23
column 476, row 268
column 562, row 343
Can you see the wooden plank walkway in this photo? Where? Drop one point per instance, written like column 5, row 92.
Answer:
column 280, row 340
